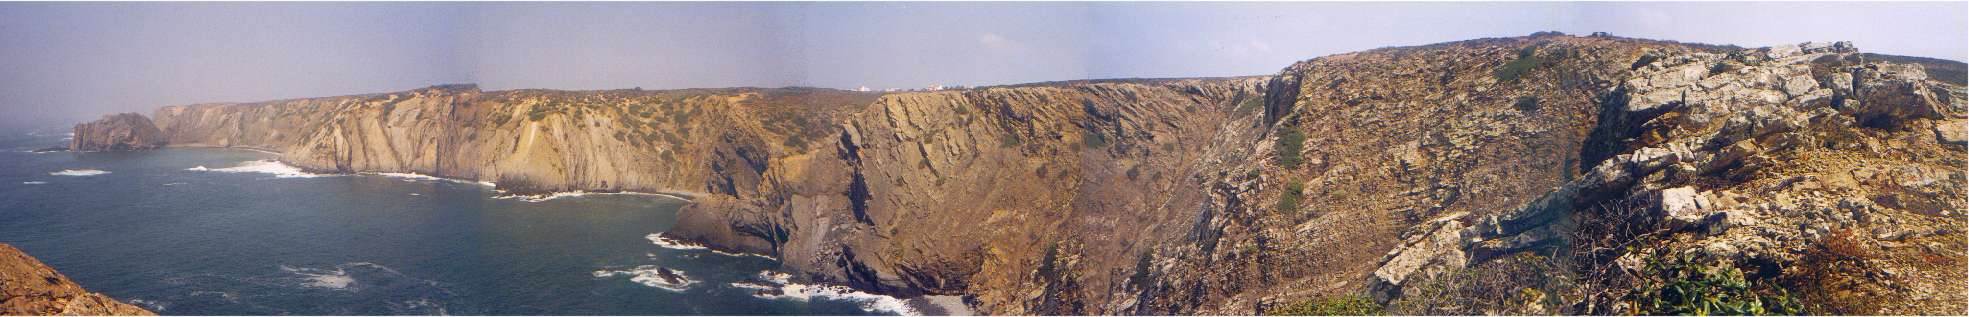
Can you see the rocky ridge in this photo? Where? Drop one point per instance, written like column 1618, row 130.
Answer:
column 28, row 287
column 1376, row 173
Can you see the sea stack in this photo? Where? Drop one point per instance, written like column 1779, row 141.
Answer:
column 117, row 132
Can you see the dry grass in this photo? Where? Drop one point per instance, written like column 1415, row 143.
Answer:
column 1835, row 275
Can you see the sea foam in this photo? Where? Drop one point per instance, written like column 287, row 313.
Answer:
column 277, row 169
column 674, row 244
column 336, row 279
column 411, row 177
column 776, row 286
column 652, row 276
column 80, row 172
column 33, row 183
column 578, row 193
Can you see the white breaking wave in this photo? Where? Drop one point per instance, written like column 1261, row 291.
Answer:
column 336, row 279
column 541, row 198
column 33, row 183
column 578, row 193
column 276, row 168
column 674, row 244
column 80, row 172
column 344, row 277
column 775, row 286
column 149, row 304
column 756, row 255
column 652, row 276
column 411, row 177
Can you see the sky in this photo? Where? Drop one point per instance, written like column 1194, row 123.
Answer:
column 62, row 63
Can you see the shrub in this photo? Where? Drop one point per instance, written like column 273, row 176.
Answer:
column 796, row 141
column 1602, row 234
column 1723, row 67
column 1249, row 105
column 1683, row 287
column 1095, row 139
column 1008, row 141
column 1522, row 284
column 1289, row 146
column 1351, row 305
column 1528, row 59
column 1526, row 104
column 1834, row 275
column 1288, row 202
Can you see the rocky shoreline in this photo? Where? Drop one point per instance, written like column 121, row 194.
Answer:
column 1355, row 174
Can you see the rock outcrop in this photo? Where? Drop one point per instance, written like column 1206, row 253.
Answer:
column 1358, row 173
column 118, row 132
column 1753, row 157
column 28, row 287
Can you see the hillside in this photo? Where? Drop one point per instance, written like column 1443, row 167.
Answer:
column 1523, row 175
column 28, row 287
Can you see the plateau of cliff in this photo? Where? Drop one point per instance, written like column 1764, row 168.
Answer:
column 1527, row 175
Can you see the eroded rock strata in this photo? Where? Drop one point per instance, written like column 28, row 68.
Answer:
column 28, row 287
column 1374, row 174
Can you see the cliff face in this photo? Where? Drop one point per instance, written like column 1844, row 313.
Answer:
column 118, row 132
column 1030, row 198
column 1384, row 174
column 529, row 141
column 28, row 287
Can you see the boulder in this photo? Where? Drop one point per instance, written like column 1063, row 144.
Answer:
column 1952, row 132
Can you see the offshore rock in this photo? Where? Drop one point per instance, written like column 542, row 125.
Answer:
column 118, row 132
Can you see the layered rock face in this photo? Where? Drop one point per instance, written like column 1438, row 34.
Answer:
column 688, row 142
column 28, row 287
column 1374, row 174
column 118, row 132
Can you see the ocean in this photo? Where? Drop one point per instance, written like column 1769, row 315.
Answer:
column 232, row 232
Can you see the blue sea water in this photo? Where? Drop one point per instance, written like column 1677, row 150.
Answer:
column 192, row 232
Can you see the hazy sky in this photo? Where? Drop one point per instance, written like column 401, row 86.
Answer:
column 62, row 63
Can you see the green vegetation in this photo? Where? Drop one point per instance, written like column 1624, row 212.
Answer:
column 1095, row 139
column 1352, row 305
column 1288, row 202
column 1141, row 278
column 1289, row 146
column 1009, row 141
column 1683, row 287
column 539, row 111
column 1249, row 106
column 1522, row 284
column 1528, row 59
column 1723, row 67
column 651, row 138
column 796, row 141
column 1526, row 104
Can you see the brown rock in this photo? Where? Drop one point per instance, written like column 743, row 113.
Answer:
column 28, row 287
column 118, row 132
